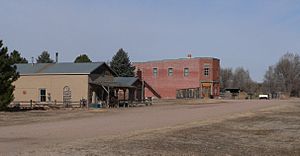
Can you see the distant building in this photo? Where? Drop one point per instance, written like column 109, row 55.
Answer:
column 182, row 78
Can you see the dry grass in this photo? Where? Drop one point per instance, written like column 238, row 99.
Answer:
column 273, row 131
column 35, row 116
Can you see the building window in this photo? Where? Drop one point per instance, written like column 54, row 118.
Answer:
column 43, row 95
column 170, row 71
column 186, row 72
column 206, row 70
column 155, row 72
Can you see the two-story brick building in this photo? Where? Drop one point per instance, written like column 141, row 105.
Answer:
column 187, row 77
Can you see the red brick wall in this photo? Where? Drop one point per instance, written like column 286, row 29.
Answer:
column 166, row 85
column 216, row 76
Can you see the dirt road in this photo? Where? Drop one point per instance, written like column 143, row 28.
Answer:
column 14, row 139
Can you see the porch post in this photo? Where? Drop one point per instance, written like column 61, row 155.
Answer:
column 142, row 92
column 124, row 91
column 211, row 89
column 201, row 90
column 117, row 93
column 94, row 97
column 135, row 93
column 108, row 96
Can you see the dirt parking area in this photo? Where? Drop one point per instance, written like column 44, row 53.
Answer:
column 50, row 115
column 249, row 128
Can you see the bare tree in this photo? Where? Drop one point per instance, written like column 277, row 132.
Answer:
column 287, row 74
column 242, row 80
column 270, row 83
column 226, row 78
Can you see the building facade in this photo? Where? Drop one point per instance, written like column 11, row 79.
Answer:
column 71, row 83
column 180, row 78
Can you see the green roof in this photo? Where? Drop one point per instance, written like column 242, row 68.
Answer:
column 57, row 68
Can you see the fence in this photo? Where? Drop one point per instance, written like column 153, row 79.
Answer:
column 188, row 93
column 38, row 104
column 72, row 104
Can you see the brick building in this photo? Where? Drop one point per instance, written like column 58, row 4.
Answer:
column 182, row 78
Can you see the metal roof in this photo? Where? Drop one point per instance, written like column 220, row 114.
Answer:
column 57, row 68
column 126, row 82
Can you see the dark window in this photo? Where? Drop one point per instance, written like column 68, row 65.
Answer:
column 170, row 71
column 43, row 95
column 206, row 71
column 155, row 72
column 186, row 72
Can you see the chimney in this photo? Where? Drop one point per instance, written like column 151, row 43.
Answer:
column 32, row 61
column 139, row 74
column 56, row 57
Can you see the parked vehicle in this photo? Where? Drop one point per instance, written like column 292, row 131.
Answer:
column 263, row 96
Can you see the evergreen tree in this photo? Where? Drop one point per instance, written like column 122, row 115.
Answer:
column 44, row 58
column 82, row 58
column 121, row 64
column 17, row 58
column 8, row 75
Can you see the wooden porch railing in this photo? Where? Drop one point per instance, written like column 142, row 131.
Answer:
column 39, row 104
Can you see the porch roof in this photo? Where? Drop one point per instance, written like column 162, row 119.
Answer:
column 118, row 82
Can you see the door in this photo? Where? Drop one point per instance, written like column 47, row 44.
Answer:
column 67, row 96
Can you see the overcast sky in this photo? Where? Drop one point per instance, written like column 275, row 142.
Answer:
column 252, row 34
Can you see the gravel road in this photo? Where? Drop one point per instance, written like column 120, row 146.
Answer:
column 14, row 139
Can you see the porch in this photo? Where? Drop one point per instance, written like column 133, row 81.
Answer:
column 117, row 92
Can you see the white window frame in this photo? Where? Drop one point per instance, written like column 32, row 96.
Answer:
column 206, row 70
column 170, row 73
column 155, row 74
column 40, row 95
column 185, row 74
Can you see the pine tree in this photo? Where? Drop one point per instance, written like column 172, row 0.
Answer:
column 82, row 58
column 8, row 75
column 121, row 64
column 17, row 58
column 44, row 58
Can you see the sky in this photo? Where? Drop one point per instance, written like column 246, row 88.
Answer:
column 241, row 33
